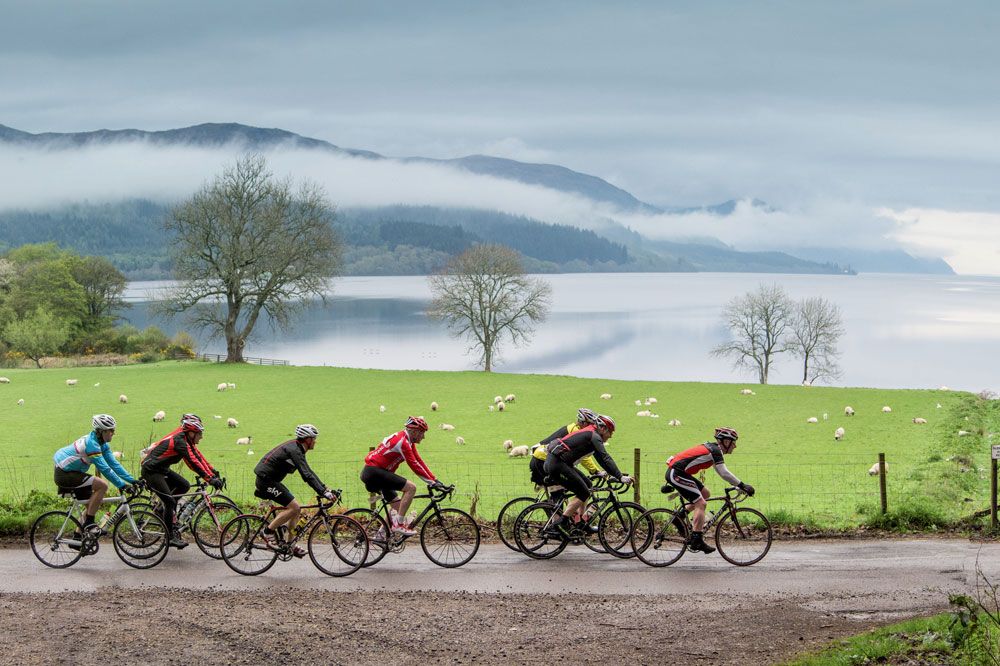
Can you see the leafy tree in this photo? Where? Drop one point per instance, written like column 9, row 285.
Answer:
column 103, row 287
column 245, row 244
column 816, row 328
column 757, row 322
column 484, row 295
column 37, row 335
column 48, row 283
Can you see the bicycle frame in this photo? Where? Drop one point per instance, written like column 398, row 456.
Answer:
column 431, row 507
column 124, row 511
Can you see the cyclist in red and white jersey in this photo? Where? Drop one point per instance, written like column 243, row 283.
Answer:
column 681, row 469
column 379, row 473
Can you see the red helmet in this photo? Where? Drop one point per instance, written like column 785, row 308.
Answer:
column 726, row 433
column 417, row 423
column 192, row 423
column 607, row 422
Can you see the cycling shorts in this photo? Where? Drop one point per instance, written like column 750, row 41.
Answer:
column 379, row 480
column 688, row 486
column 78, row 484
column 569, row 476
column 273, row 490
column 537, row 468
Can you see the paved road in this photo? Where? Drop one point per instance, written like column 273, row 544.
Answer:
column 899, row 571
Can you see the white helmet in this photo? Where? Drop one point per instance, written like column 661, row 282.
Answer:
column 104, row 422
column 587, row 417
column 305, row 431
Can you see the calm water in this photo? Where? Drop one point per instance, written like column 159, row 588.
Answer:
column 901, row 330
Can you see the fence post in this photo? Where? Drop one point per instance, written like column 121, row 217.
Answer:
column 881, row 482
column 636, row 465
column 993, row 494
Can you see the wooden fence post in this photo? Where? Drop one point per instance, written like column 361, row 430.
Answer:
column 993, row 494
column 881, row 482
column 636, row 466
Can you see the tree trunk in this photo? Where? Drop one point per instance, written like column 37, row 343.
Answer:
column 234, row 349
column 487, row 360
column 805, row 368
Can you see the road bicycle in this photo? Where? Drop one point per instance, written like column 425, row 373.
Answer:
column 538, row 538
column 449, row 537
column 512, row 509
column 203, row 512
column 336, row 543
column 742, row 535
column 139, row 536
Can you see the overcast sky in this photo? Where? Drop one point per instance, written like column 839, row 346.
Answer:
column 883, row 116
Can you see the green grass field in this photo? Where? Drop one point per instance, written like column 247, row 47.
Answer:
column 801, row 473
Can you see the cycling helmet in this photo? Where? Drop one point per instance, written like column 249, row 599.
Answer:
column 726, row 433
column 185, row 417
column 417, row 423
column 586, row 416
column 192, row 424
column 104, row 422
column 606, row 421
column 305, row 431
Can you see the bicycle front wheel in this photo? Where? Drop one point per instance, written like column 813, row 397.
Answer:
column 530, row 532
column 207, row 524
column 338, row 545
column 743, row 536
column 615, row 528
column 243, row 547
column 508, row 516
column 140, row 539
column 377, row 531
column 51, row 537
column 659, row 537
column 450, row 538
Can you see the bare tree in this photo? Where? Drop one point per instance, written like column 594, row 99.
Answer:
column 816, row 328
column 484, row 295
column 758, row 322
column 246, row 244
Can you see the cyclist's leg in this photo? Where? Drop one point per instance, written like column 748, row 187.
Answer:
column 694, row 494
column 379, row 480
column 158, row 484
column 82, row 486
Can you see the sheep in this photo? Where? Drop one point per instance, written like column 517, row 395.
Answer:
column 118, row 455
column 222, row 387
column 651, row 401
column 963, row 433
column 519, row 452
column 747, row 392
column 447, row 426
column 638, row 403
column 493, row 408
column 381, row 409
column 230, row 385
column 249, row 452
column 434, row 406
column 838, row 434
column 123, row 399
column 4, row 380
column 873, row 471
column 943, row 388
column 510, row 397
column 501, row 406
column 644, row 412
column 159, row 416
column 232, row 423
column 216, row 416
column 674, row 422
column 71, row 382
column 938, row 406
column 497, row 399
column 20, row 403
column 920, row 421
column 97, row 384
column 605, row 396
column 812, row 419
column 508, row 444
column 244, row 441
column 848, row 411
column 460, row 440
column 887, row 409
column 654, row 416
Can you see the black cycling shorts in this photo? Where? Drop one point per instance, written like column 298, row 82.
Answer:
column 78, row 484
column 688, row 486
column 273, row 490
column 569, row 476
column 537, row 468
column 379, row 480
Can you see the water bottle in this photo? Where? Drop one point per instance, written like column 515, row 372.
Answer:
column 105, row 520
column 303, row 520
column 184, row 509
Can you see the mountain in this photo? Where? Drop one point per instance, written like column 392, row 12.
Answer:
column 874, row 261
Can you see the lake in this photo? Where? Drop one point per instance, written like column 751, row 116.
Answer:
column 910, row 331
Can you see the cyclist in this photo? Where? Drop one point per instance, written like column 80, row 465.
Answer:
column 379, row 472
column 539, row 452
column 180, row 444
column 681, row 469
column 74, row 460
column 565, row 452
column 272, row 469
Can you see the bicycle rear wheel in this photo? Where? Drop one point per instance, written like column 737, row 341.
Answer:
column 207, row 524
column 338, row 545
column 743, row 536
column 243, row 546
column 377, row 531
column 449, row 538
column 508, row 516
column 615, row 527
column 50, row 536
column 140, row 539
column 529, row 532
column 659, row 537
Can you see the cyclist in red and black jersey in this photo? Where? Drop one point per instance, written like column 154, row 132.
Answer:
column 379, row 473
column 181, row 444
column 681, row 469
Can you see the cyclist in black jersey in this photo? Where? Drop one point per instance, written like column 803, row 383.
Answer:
column 272, row 469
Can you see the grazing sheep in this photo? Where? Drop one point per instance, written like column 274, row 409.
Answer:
column 447, row 426
column 216, row 416
column 674, row 422
column 654, row 416
column 249, row 452
column 747, row 392
column 938, row 406
column 159, row 416
column 434, row 406
column 381, row 409
column 838, row 434
column 123, row 399
column 644, row 412
column 493, row 408
column 963, row 433
column 519, row 452
column 118, row 454
column 222, row 387
column 508, row 444
column 605, row 396
column 97, row 384
column 501, row 406
column 887, row 409
column 20, row 403
column 460, row 440
column 510, row 397
column 920, row 421
column 497, row 399
column 71, row 382
column 4, row 380
column 232, row 423
column 244, row 441
column 874, row 469
column 812, row 419
column 638, row 403
column 230, row 385
column 848, row 411
column 651, row 401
